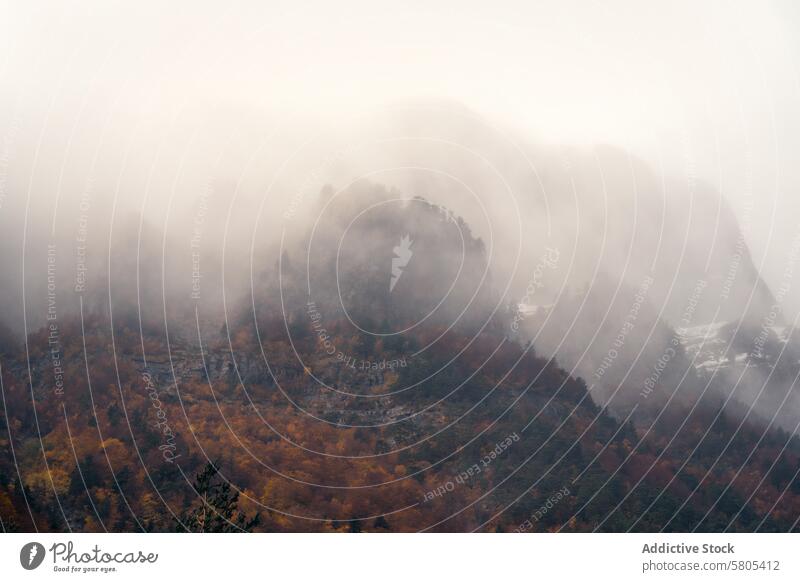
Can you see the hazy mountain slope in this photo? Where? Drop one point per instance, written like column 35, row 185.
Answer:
column 444, row 427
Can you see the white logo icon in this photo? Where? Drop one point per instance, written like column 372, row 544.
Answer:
column 402, row 256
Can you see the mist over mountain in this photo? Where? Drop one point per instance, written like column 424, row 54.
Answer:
column 348, row 329
column 579, row 237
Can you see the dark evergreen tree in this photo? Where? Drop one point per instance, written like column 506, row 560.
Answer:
column 217, row 507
